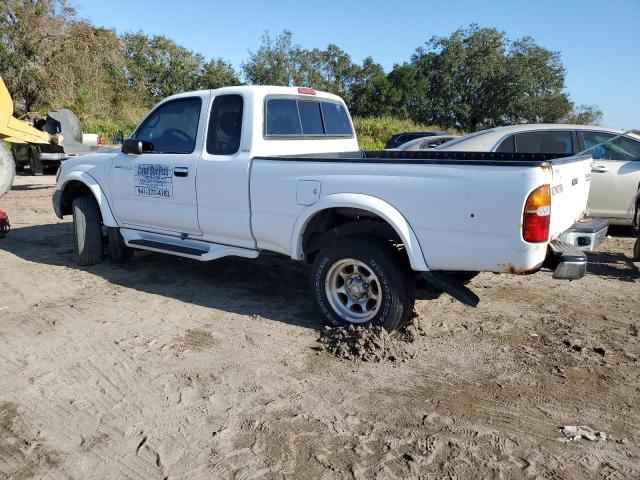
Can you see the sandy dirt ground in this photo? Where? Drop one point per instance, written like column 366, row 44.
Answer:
column 166, row 368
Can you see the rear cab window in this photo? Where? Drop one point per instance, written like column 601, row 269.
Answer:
column 543, row 141
column 299, row 118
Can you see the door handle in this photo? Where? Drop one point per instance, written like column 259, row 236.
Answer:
column 181, row 171
column 600, row 168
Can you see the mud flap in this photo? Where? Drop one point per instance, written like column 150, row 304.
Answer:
column 447, row 284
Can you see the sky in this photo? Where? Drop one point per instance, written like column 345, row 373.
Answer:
column 599, row 42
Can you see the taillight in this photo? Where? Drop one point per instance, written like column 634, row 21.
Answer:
column 537, row 216
column 99, row 139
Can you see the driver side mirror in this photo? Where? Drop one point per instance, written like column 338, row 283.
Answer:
column 136, row 147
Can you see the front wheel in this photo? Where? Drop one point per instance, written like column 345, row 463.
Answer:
column 87, row 226
column 363, row 281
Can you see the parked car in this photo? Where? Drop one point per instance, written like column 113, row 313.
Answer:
column 41, row 157
column 243, row 170
column 636, row 228
column 399, row 138
column 615, row 174
column 424, row 143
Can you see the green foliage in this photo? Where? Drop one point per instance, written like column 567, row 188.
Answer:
column 373, row 132
column 584, row 115
column 473, row 79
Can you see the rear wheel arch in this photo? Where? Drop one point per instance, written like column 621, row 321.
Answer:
column 354, row 214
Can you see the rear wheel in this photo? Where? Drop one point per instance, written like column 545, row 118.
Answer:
column 118, row 250
column 636, row 251
column 87, row 226
column 19, row 164
column 35, row 164
column 363, row 281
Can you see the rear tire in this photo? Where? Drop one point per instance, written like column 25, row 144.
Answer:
column 18, row 163
column 636, row 250
column 87, row 226
column 118, row 250
column 363, row 281
column 35, row 164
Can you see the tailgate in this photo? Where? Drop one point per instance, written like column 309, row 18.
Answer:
column 569, row 192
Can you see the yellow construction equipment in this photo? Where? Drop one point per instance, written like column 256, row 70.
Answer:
column 14, row 130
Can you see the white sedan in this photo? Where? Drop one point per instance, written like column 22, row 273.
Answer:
column 615, row 173
column 424, row 143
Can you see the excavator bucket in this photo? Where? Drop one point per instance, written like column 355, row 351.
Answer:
column 12, row 129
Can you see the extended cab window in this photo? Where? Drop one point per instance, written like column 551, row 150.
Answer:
column 508, row 145
column 225, row 125
column 289, row 117
column 544, row 142
column 604, row 146
column 172, row 127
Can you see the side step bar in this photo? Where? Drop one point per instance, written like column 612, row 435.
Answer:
column 168, row 247
column 447, row 284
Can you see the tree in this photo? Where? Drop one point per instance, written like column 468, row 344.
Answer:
column 584, row 115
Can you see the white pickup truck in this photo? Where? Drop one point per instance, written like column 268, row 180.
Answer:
column 241, row 170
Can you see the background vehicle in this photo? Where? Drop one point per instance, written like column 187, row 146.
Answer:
column 615, row 178
column 636, row 228
column 424, row 143
column 240, row 170
column 399, row 138
column 42, row 157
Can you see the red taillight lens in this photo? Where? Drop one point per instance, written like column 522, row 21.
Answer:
column 306, row 91
column 537, row 216
column 99, row 139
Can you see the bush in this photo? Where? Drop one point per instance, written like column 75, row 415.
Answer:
column 373, row 132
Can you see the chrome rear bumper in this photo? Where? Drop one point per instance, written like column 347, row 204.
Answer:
column 586, row 235
column 567, row 261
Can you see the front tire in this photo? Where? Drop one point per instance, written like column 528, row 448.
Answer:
column 363, row 281
column 87, row 226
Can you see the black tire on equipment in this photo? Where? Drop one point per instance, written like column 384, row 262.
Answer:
column 7, row 170
column 87, row 226
column 35, row 164
column 636, row 250
column 392, row 269
column 19, row 164
column 70, row 123
column 118, row 250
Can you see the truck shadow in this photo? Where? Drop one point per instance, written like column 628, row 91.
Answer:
column 272, row 286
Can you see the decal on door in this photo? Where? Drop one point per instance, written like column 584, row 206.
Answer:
column 153, row 181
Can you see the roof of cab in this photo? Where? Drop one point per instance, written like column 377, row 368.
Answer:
column 260, row 91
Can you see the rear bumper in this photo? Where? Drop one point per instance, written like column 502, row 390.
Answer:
column 567, row 261
column 586, row 235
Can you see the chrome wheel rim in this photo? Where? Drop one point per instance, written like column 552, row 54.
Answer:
column 353, row 290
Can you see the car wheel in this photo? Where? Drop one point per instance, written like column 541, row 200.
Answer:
column 87, row 226
column 118, row 250
column 363, row 281
column 35, row 164
column 636, row 251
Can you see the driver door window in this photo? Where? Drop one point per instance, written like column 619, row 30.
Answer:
column 172, row 127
